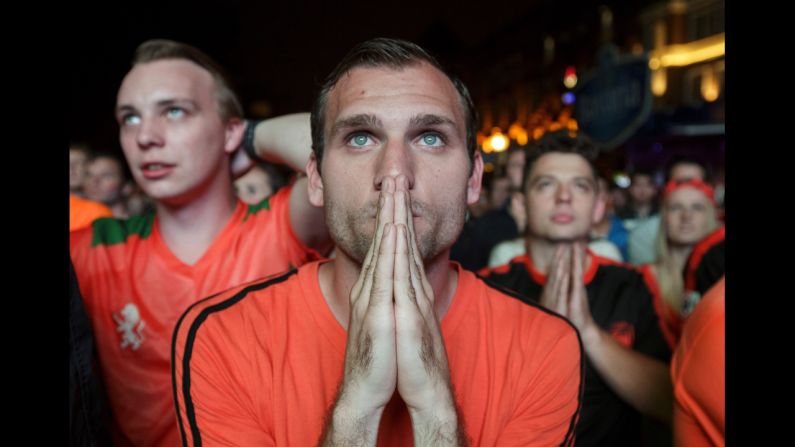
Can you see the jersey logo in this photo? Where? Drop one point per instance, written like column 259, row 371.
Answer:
column 130, row 326
column 692, row 297
column 623, row 333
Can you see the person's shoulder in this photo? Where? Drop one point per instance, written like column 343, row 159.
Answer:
column 110, row 236
column 617, row 270
column 111, row 231
column 280, row 198
column 512, row 306
column 517, row 264
column 252, row 293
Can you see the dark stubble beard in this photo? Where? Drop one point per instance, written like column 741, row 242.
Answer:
column 352, row 231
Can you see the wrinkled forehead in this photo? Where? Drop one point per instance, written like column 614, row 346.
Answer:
column 388, row 92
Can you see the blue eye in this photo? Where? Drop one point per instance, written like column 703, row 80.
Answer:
column 130, row 120
column 359, row 140
column 175, row 112
column 432, row 139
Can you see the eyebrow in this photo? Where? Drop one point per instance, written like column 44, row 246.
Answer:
column 550, row 177
column 361, row 120
column 161, row 104
column 430, row 119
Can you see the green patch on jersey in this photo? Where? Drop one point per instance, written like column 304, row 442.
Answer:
column 111, row 231
column 254, row 209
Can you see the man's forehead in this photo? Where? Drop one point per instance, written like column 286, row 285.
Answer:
column 687, row 170
column 561, row 164
column 105, row 162
column 687, row 194
column 165, row 78
column 364, row 90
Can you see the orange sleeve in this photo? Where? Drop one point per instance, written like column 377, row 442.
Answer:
column 698, row 375
column 547, row 411
column 82, row 212
column 214, row 378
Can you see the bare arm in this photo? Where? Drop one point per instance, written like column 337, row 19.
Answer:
column 286, row 139
column 639, row 379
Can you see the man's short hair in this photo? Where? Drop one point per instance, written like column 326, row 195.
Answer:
column 159, row 49
column 561, row 141
column 641, row 172
column 81, row 146
column 394, row 54
column 685, row 159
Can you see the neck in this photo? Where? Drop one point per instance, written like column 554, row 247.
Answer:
column 643, row 210
column 678, row 255
column 542, row 253
column 338, row 276
column 189, row 229
column 119, row 210
column 602, row 228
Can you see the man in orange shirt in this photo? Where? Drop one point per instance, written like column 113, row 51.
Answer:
column 389, row 342
column 180, row 127
column 84, row 211
column 698, row 374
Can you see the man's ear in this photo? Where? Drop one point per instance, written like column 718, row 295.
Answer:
column 475, row 179
column 599, row 208
column 235, row 128
column 315, row 184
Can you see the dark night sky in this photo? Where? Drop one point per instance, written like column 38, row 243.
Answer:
column 279, row 52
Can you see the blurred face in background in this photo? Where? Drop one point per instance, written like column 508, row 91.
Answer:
column 500, row 191
column 78, row 163
column 686, row 171
column 619, row 198
column 604, row 194
column 254, row 187
column 689, row 216
column 642, row 189
column 105, row 181
column 515, row 169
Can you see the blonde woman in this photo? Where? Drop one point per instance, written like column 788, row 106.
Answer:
column 688, row 214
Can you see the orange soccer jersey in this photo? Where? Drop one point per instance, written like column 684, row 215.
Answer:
column 260, row 365
column 135, row 289
column 698, row 374
column 83, row 211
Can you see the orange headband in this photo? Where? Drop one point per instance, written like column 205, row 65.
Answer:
column 673, row 185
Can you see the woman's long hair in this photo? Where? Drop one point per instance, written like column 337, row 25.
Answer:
column 666, row 267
